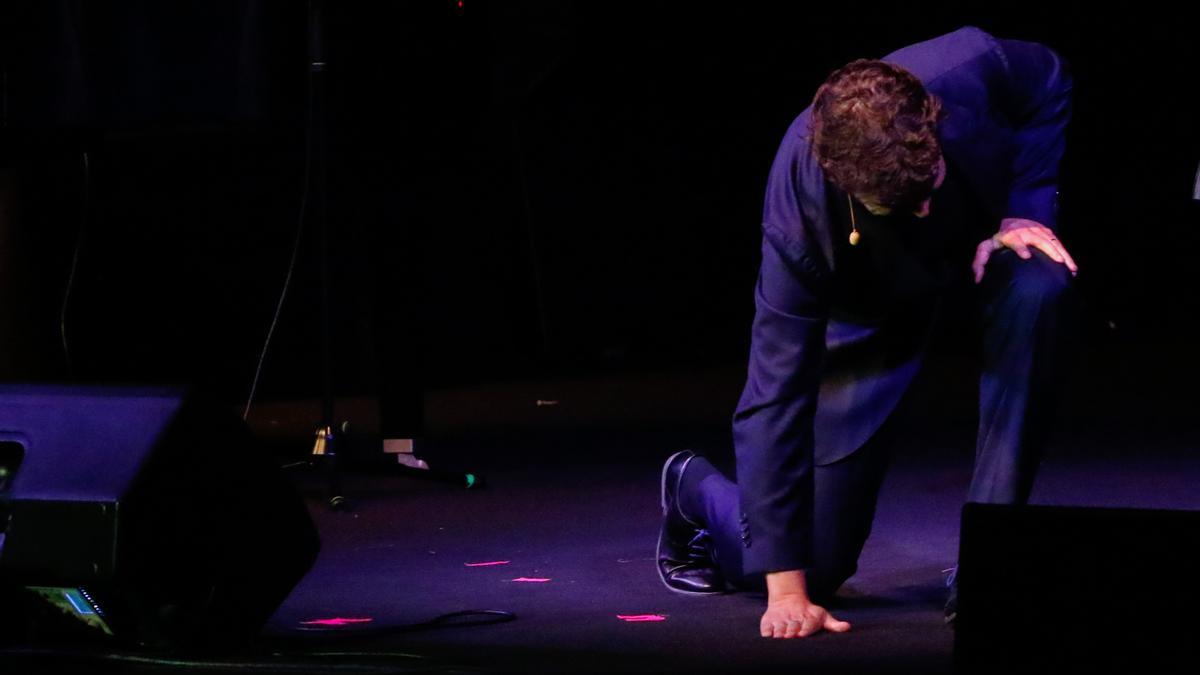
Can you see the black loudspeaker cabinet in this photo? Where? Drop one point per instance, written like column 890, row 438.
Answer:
column 1051, row 589
column 145, row 516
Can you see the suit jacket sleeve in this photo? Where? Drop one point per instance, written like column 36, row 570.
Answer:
column 1035, row 97
column 773, row 423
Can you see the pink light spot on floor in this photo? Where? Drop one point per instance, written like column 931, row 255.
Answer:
column 641, row 618
column 338, row 621
column 532, row 580
column 487, row 564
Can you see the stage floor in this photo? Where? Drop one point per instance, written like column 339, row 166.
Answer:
column 576, row 509
column 570, row 512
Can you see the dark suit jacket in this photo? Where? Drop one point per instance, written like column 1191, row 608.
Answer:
column 1006, row 103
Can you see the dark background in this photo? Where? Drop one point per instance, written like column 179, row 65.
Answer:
column 535, row 188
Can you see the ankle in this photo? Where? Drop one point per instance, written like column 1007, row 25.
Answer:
column 690, row 497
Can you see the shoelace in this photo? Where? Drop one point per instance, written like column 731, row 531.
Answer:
column 953, row 576
column 698, row 546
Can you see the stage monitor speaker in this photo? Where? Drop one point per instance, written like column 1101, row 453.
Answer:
column 1045, row 589
column 141, row 517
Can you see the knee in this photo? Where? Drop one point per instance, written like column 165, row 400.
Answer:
column 1036, row 281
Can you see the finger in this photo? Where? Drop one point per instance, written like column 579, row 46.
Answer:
column 791, row 629
column 1022, row 249
column 813, row 623
column 1054, row 249
column 767, row 626
column 834, row 626
column 1066, row 257
column 982, row 253
column 1046, row 246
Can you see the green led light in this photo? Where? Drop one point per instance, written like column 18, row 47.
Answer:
column 470, row 479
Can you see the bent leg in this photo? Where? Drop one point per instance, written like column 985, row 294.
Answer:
column 845, row 497
column 1025, row 313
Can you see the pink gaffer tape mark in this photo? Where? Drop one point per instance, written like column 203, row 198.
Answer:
column 334, row 622
column 640, row 618
column 487, row 564
column 532, row 580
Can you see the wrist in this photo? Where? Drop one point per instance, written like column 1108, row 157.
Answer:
column 787, row 583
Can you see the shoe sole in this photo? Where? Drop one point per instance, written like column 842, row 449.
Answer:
column 662, row 493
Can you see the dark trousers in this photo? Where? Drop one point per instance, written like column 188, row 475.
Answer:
column 1024, row 310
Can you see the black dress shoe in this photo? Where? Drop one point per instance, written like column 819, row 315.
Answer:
column 684, row 556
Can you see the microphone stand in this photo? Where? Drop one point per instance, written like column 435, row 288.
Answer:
column 325, row 448
column 328, row 438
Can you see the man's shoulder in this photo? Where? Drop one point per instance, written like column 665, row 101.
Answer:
column 945, row 55
column 796, row 161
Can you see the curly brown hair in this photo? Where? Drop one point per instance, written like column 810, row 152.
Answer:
column 874, row 133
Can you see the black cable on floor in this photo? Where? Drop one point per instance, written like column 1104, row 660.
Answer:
column 298, row 660
column 273, row 663
column 451, row 620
